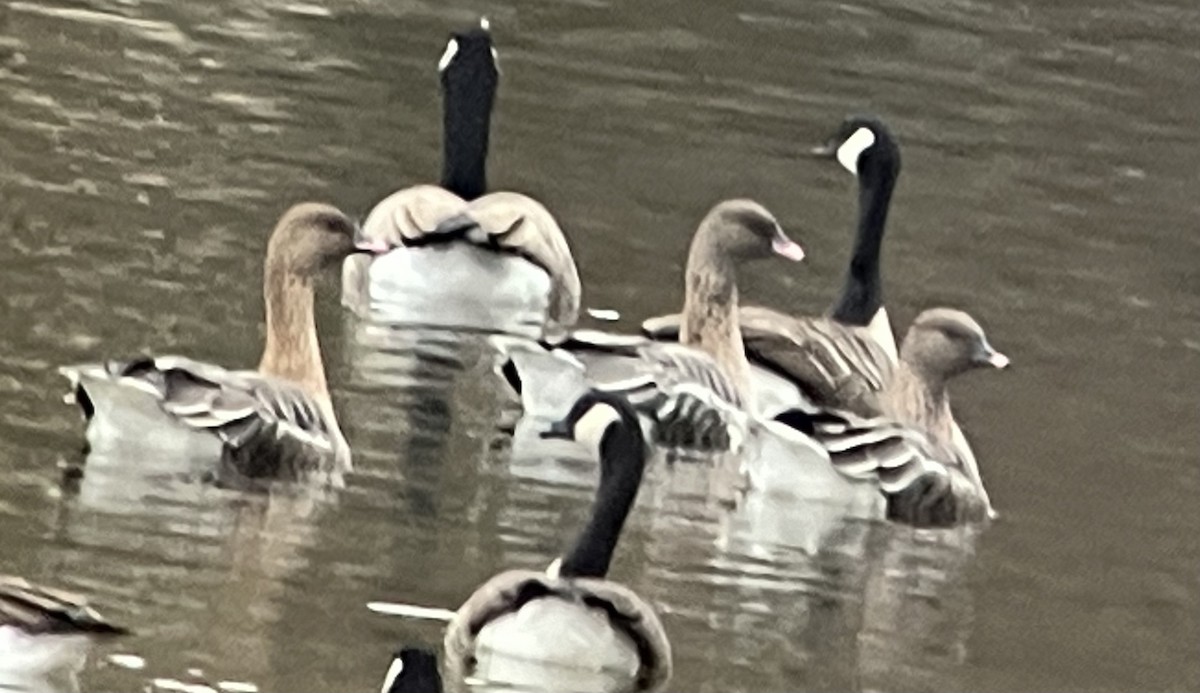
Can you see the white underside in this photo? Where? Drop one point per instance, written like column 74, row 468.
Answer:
column 28, row 658
column 136, row 449
column 127, row 416
column 555, row 645
column 453, row 285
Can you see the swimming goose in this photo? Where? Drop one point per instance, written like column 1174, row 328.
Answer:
column 693, row 389
column 571, row 628
column 44, row 631
column 898, row 426
column 866, row 148
column 413, row 670
column 455, row 246
column 276, row 422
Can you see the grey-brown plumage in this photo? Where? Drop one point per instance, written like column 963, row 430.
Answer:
column 38, row 610
column 892, row 421
column 702, row 385
column 276, row 422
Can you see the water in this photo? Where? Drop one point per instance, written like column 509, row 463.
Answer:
column 1050, row 166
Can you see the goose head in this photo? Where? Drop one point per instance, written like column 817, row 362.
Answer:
column 596, row 421
column 943, row 343
column 311, row 237
column 470, row 57
column 864, row 146
column 744, row 230
column 413, row 670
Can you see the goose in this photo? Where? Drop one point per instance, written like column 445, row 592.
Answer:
column 699, row 390
column 570, row 627
column 413, row 670
column 275, row 422
column 458, row 254
column 45, row 631
column 896, row 424
column 864, row 146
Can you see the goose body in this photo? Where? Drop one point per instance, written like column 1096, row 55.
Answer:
column 458, row 255
column 700, row 392
column 571, row 628
column 45, row 631
column 273, row 423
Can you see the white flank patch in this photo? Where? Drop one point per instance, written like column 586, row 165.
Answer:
column 880, row 329
column 853, row 147
column 451, row 51
column 237, row 687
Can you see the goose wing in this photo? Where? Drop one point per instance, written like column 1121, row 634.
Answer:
column 413, row 216
column 683, row 390
column 921, row 488
column 834, row 365
column 519, row 224
column 253, row 415
column 36, row 609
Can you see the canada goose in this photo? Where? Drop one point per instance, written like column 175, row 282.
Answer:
column 276, row 422
column 455, row 246
column 697, row 386
column 866, row 148
column 45, row 631
column 570, row 628
column 413, row 670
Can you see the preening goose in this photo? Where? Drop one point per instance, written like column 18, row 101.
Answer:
column 695, row 389
column 45, row 631
column 570, row 628
column 276, row 422
column 457, row 255
column 413, row 670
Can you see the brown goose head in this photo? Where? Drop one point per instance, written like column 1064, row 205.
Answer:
column 744, row 230
column 943, row 343
column 311, row 237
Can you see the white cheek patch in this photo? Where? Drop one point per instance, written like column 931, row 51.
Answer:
column 451, row 51
column 393, row 673
column 853, row 147
column 590, row 429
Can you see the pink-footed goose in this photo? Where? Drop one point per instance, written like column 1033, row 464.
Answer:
column 275, row 422
column 700, row 393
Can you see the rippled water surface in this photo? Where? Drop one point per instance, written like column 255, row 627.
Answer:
column 1051, row 164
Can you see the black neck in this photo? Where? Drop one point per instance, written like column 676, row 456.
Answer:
column 466, row 116
column 862, row 294
column 622, row 459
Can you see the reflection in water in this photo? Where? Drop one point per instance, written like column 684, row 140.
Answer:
column 1049, row 176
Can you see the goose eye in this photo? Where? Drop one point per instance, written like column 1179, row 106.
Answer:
column 451, row 51
column 853, row 147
